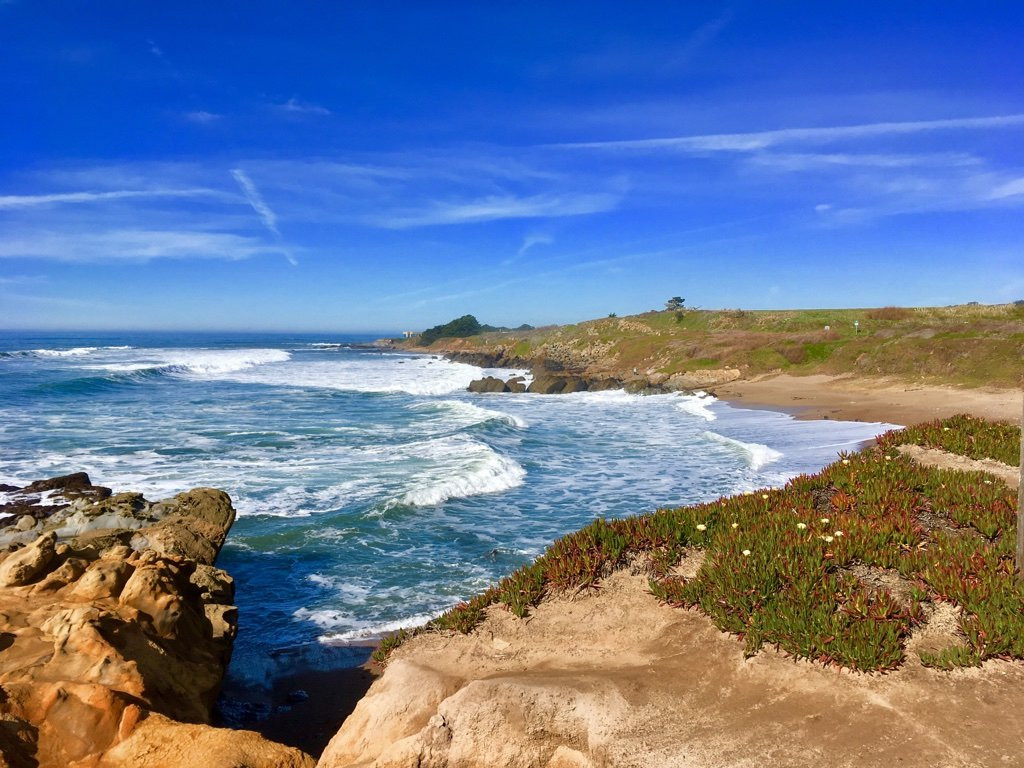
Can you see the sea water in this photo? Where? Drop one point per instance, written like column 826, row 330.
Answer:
column 372, row 490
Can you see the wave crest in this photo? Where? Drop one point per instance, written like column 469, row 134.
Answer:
column 757, row 455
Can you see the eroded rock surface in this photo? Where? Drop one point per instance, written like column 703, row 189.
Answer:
column 614, row 678
column 116, row 628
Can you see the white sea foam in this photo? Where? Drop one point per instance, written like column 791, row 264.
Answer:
column 198, row 362
column 697, row 405
column 457, row 467
column 756, row 454
column 373, row 631
column 463, row 414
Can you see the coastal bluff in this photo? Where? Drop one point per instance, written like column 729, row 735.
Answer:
column 116, row 628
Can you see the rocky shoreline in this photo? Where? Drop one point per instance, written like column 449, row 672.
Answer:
column 116, row 631
column 554, row 377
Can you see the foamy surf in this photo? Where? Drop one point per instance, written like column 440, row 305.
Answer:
column 462, row 414
column 697, row 405
column 367, row 632
column 757, row 455
column 458, row 468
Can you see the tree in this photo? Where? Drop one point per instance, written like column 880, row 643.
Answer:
column 676, row 302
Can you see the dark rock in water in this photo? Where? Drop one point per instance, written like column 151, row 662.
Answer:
column 516, row 384
column 488, row 384
column 601, row 385
column 575, row 384
column 546, row 385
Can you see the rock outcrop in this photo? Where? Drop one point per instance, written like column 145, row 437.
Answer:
column 115, row 630
column 615, row 678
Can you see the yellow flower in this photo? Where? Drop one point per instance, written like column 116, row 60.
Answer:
column 701, row 527
column 801, row 526
column 746, row 553
column 945, row 429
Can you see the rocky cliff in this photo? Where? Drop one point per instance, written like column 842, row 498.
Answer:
column 115, row 630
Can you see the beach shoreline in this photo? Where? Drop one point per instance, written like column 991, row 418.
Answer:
column 848, row 398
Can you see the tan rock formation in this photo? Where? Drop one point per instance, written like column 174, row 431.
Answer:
column 104, row 645
column 613, row 678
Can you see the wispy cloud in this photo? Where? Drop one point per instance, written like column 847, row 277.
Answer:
column 202, row 117
column 751, row 142
column 295, row 107
column 259, row 205
column 809, row 161
column 495, row 207
column 134, row 245
column 28, row 201
column 528, row 242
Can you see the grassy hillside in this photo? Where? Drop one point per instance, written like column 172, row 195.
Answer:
column 967, row 345
column 838, row 567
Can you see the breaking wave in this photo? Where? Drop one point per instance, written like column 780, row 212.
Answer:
column 756, row 454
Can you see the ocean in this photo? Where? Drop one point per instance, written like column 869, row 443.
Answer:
column 372, row 490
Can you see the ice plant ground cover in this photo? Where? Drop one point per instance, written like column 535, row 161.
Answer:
column 966, row 435
column 785, row 567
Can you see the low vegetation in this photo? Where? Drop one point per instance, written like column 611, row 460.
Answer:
column 838, row 567
column 967, row 345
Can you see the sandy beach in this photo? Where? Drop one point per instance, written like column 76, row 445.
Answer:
column 860, row 399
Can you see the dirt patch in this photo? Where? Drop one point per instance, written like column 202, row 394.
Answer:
column 939, row 631
column 933, row 457
column 883, row 578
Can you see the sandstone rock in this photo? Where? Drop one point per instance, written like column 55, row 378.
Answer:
column 105, row 577
column 26, row 564
column 106, row 633
column 376, row 723
column 691, row 380
column 516, row 384
column 25, row 523
column 158, row 742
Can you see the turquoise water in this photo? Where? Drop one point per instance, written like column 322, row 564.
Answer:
column 372, row 490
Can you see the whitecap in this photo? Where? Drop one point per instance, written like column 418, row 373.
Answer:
column 456, row 468
column 465, row 414
column 371, row 631
column 756, row 454
column 697, row 405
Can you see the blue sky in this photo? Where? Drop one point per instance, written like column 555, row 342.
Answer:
column 383, row 166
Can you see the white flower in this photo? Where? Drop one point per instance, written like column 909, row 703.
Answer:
column 825, row 520
column 801, row 526
column 735, row 525
column 987, row 482
column 701, row 527
column 888, row 458
column 764, row 495
column 846, row 461
column 827, row 539
column 746, row 553
column 945, row 429
column 838, row 533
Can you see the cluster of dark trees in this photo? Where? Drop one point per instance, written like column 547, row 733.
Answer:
column 460, row 327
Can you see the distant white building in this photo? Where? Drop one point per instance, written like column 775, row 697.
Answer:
column 409, row 334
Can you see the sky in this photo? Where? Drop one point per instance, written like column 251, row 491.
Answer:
column 386, row 166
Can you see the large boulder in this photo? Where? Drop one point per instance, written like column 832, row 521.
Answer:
column 26, row 564
column 546, row 384
column 488, row 384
